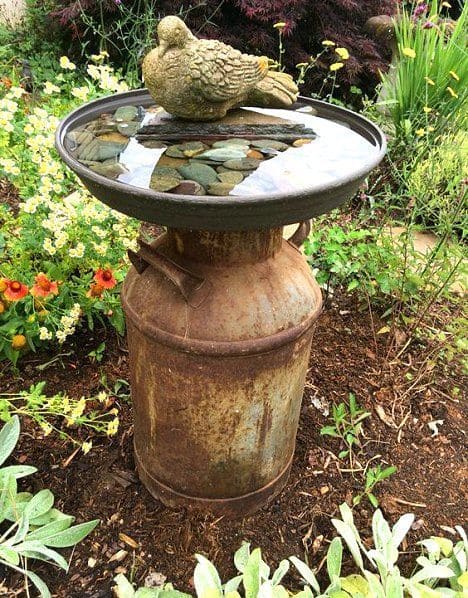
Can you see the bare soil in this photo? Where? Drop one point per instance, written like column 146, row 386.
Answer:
column 347, row 356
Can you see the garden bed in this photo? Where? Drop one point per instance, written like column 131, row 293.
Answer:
column 347, row 356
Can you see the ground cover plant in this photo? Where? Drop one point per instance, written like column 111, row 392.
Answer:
column 441, row 569
column 386, row 380
column 32, row 526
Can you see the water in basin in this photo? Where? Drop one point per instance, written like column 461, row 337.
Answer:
column 306, row 151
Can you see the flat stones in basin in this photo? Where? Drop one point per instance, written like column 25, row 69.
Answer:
column 270, row 143
column 232, row 142
column 232, row 177
column 242, row 164
column 202, row 173
column 164, row 178
column 220, row 188
column 221, row 154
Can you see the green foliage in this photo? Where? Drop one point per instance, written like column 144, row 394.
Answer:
column 428, row 89
column 347, row 425
column 95, row 414
column 59, row 230
column 436, row 186
column 384, row 268
column 374, row 475
column 441, row 571
column 34, row 526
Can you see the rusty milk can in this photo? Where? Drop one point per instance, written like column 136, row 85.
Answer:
column 219, row 332
column 220, row 312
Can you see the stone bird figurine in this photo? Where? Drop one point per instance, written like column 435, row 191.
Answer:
column 199, row 79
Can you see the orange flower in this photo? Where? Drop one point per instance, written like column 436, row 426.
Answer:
column 2, row 307
column 3, row 284
column 95, row 290
column 15, row 290
column 105, row 278
column 18, row 341
column 44, row 287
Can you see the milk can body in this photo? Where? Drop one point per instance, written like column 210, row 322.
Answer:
column 219, row 331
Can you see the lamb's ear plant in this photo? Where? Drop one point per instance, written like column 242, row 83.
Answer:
column 30, row 525
column 441, row 570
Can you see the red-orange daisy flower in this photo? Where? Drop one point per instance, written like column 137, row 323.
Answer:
column 15, row 290
column 43, row 286
column 105, row 278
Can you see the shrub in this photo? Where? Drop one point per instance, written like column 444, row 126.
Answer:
column 246, row 24
column 63, row 253
column 436, row 186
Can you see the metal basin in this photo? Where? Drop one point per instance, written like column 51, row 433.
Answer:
column 226, row 212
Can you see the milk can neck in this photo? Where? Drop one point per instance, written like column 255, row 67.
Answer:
column 223, row 248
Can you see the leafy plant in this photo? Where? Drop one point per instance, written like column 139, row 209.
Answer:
column 52, row 275
column 444, row 561
column 35, row 527
column 347, row 425
column 374, row 475
column 428, row 90
column 96, row 414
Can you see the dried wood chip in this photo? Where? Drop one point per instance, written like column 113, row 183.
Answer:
column 118, row 556
column 128, row 541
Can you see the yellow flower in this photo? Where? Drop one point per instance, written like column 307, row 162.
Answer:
column 342, row 53
column 66, row 63
column 336, row 66
column 31, row 318
column 446, row 5
column 454, row 75
column 18, row 341
column 78, row 408
column 426, row 109
column 431, row 129
column 408, row 52
column 87, row 446
column 452, row 92
column 429, row 81
column 420, row 132
column 327, row 42
column 280, row 25
column 50, row 88
column 80, row 92
column 46, row 428
column 113, row 426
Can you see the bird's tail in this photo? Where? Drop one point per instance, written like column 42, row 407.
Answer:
column 276, row 90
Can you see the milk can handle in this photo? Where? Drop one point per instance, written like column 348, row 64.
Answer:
column 193, row 288
column 301, row 234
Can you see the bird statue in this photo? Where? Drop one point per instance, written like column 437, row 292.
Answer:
column 201, row 80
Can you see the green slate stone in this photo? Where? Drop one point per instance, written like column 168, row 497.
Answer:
column 270, row 143
column 242, row 164
column 220, row 188
column 232, row 177
column 232, row 142
column 221, row 154
column 174, row 151
column 166, row 171
column 163, row 183
column 126, row 113
column 202, row 173
column 128, row 129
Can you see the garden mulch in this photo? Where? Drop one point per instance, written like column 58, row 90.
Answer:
column 348, row 355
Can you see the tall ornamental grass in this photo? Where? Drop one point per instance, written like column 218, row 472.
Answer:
column 428, row 92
